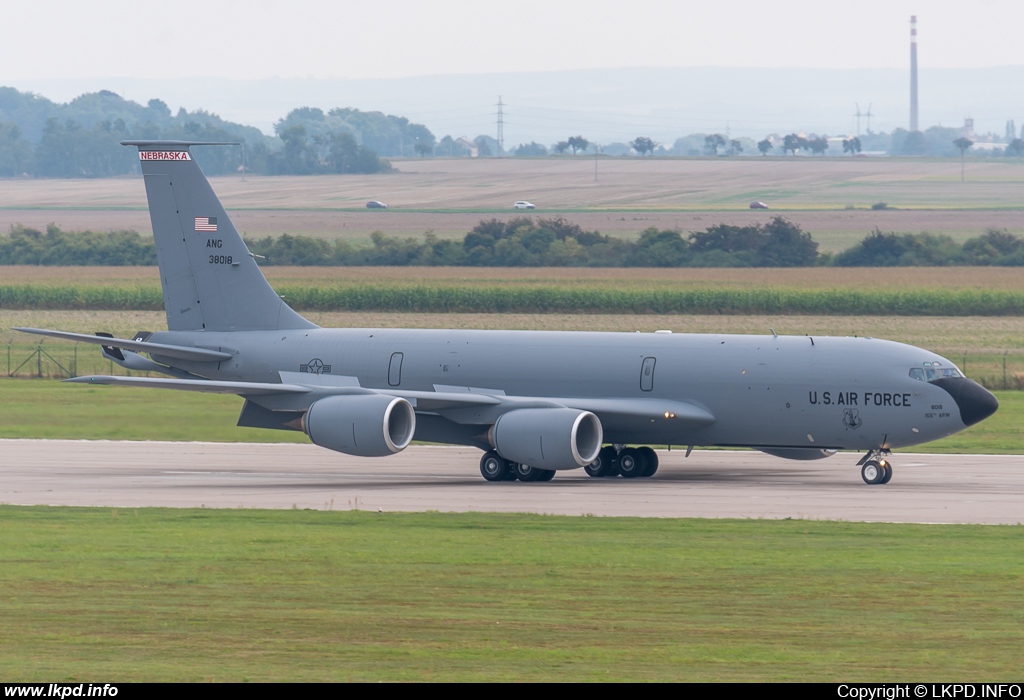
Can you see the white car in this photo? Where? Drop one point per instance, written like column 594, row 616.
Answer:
column 523, row 205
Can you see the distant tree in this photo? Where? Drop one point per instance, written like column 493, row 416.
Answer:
column 915, row 143
column 689, row 145
column 792, row 143
column 660, row 249
column 483, row 148
column 578, row 143
column 818, row 146
column 15, row 151
column 530, row 149
column 851, row 146
column 643, row 145
column 712, row 142
column 561, row 147
column 488, row 146
column 765, row 146
column 995, row 247
column 735, row 147
column 1015, row 148
column 780, row 243
column 423, row 149
column 447, row 146
column 900, row 250
column 963, row 143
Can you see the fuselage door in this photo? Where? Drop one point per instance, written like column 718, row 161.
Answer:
column 395, row 369
column 647, row 374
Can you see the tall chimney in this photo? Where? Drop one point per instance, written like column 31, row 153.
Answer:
column 913, row 73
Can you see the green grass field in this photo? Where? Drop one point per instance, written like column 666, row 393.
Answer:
column 33, row 408
column 201, row 595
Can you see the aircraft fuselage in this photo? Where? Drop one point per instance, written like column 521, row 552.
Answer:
column 779, row 391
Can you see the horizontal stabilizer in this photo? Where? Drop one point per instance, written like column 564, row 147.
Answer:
column 200, row 385
column 176, row 351
column 157, row 143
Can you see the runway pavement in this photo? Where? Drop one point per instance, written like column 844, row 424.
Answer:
column 709, row 484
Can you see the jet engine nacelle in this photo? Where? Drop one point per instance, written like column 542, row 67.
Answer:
column 548, row 438
column 799, row 452
column 367, row 425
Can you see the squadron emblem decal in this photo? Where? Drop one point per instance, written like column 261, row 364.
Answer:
column 852, row 419
column 315, row 366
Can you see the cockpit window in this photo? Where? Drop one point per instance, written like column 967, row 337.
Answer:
column 933, row 371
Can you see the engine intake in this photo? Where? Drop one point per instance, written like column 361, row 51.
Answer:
column 367, row 425
column 548, row 438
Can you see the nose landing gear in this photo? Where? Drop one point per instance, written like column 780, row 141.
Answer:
column 875, row 467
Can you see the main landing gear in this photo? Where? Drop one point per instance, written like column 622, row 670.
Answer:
column 628, row 462
column 494, row 467
column 875, row 467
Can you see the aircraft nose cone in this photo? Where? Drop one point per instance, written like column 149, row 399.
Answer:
column 976, row 403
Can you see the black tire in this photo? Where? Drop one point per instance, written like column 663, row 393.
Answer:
column 605, row 465
column 494, row 467
column 524, row 472
column 872, row 472
column 545, row 474
column 651, row 458
column 631, row 463
column 888, row 474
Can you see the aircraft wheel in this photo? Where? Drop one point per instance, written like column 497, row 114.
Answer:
column 631, row 463
column 872, row 472
column 494, row 467
column 524, row 472
column 888, row 474
column 651, row 461
column 545, row 474
column 604, row 465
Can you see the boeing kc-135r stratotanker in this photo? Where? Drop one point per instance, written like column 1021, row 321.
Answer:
column 535, row 402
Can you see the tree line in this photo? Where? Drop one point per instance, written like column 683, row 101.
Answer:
column 40, row 138
column 934, row 141
column 525, row 242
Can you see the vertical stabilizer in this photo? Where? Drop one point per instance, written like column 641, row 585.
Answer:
column 210, row 281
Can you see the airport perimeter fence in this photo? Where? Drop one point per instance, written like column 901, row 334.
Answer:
column 29, row 358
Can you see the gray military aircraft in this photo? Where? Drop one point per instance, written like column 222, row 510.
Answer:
column 534, row 401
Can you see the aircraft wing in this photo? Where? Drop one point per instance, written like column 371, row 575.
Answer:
column 460, row 406
column 176, row 351
column 200, row 385
column 423, row 400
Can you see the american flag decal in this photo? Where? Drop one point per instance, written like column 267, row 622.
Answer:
column 206, row 223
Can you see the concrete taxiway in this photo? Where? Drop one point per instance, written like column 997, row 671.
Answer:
column 709, row 484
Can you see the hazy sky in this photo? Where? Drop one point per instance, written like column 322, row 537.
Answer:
column 396, row 38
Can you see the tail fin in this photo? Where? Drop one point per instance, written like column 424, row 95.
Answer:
column 210, row 281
